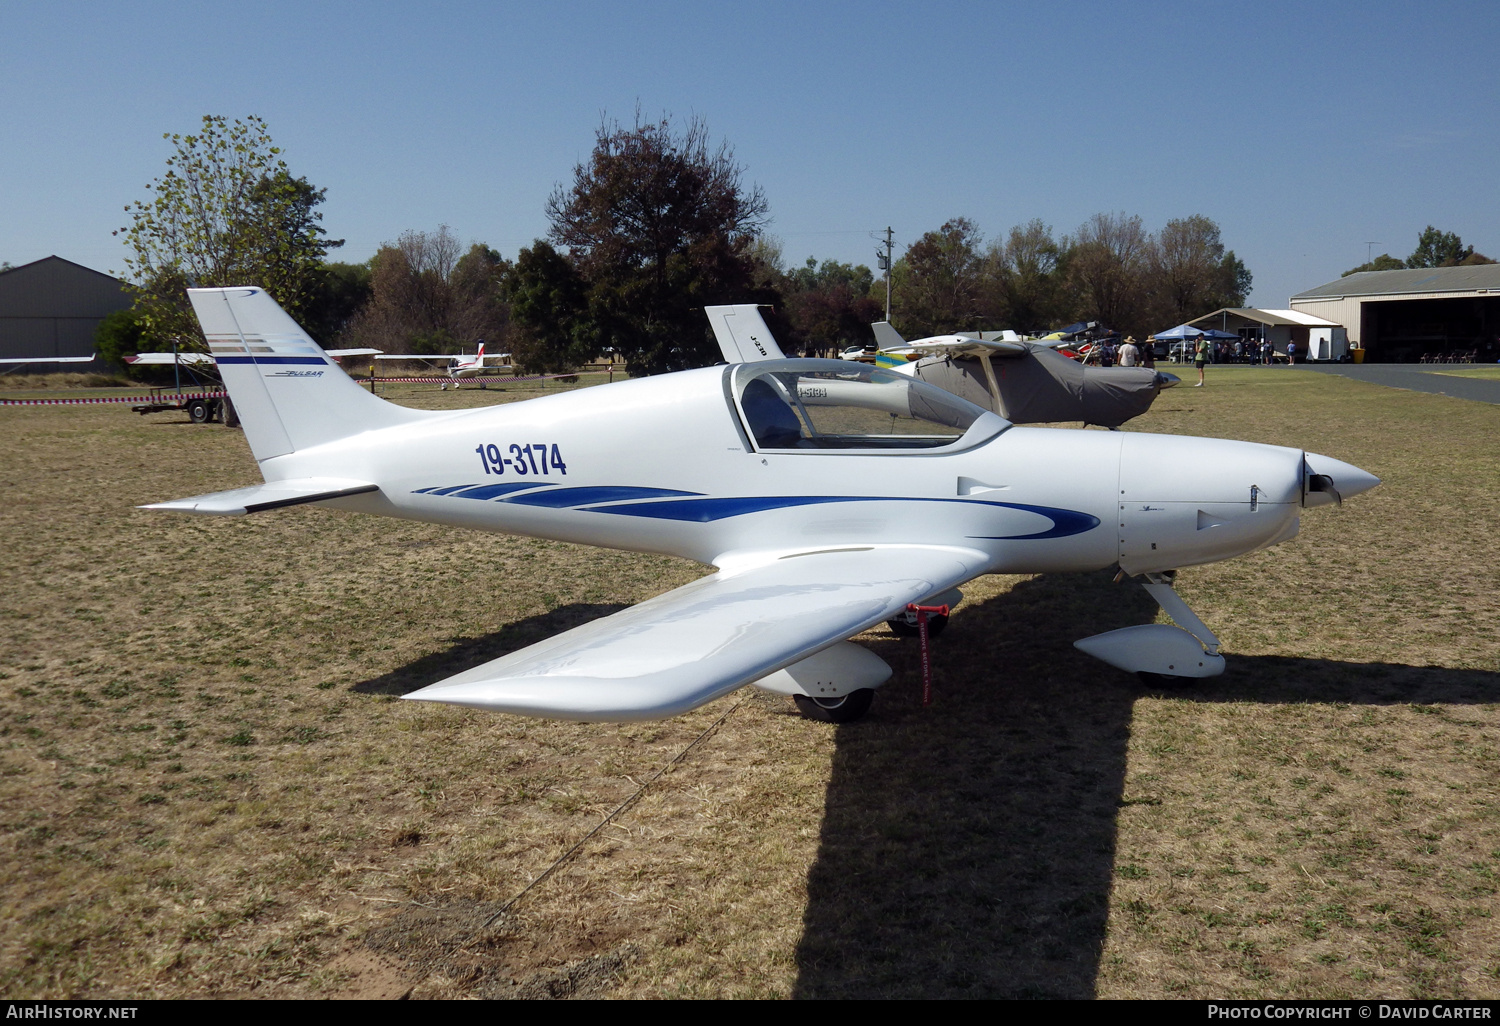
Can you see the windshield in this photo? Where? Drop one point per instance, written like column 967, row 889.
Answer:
column 823, row 404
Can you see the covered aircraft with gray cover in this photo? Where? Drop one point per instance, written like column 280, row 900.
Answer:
column 1026, row 382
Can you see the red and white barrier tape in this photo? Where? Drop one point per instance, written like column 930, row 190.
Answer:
column 474, row 381
column 142, row 400
column 138, row 400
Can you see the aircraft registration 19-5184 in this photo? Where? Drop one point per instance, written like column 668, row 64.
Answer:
column 828, row 495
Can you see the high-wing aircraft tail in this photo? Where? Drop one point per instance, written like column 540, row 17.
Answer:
column 887, row 337
column 289, row 395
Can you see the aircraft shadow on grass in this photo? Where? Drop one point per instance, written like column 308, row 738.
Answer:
column 968, row 849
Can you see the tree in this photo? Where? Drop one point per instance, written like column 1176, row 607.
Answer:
column 829, row 306
column 1443, row 249
column 344, row 291
column 1190, row 273
column 428, row 295
column 1438, row 249
column 1104, row 269
column 936, row 285
column 1384, row 262
column 1030, row 274
column 1236, row 280
column 120, row 334
column 658, row 224
column 549, row 302
column 227, row 212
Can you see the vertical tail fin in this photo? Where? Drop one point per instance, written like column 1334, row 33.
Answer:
column 742, row 334
column 887, row 337
column 288, row 394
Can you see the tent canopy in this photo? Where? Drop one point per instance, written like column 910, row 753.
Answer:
column 1187, row 331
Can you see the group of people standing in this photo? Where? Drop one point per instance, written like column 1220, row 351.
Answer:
column 1127, row 353
column 1241, row 352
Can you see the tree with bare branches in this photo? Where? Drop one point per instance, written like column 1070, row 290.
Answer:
column 1107, row 256
column 430, row 295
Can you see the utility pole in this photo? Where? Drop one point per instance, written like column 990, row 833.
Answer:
column 883, row 261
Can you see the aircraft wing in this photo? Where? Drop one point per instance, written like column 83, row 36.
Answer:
column 353, row 352
column 50, row 359
column 958, row 345
column 167, row 359
column 742, row 334
column 427, row 358
column 271, row 495
column 679, row 650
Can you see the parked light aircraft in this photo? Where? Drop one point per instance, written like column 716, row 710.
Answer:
column 461, row 366
column 828, row 495
column 1026, row 381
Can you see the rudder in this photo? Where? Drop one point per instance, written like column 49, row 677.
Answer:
column 289, row 395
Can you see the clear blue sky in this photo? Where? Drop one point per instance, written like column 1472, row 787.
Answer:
column 1305, row 130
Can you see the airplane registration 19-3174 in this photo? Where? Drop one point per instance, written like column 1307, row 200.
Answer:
column 828, row 495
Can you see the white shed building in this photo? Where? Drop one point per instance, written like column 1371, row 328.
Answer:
column 1317, row 338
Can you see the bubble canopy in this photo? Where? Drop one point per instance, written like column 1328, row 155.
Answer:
column 812, row 405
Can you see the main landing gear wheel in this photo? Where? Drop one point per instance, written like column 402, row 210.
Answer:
column 845, row 709
column 906, row 626
column 1166, row 681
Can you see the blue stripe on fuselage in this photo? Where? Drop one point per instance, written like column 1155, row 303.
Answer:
column 1065, row 522
column 491, row 490
column 560, row 497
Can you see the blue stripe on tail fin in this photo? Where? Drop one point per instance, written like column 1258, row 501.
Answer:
column 288, row 394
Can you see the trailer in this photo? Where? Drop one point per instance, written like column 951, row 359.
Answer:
column 201, row 407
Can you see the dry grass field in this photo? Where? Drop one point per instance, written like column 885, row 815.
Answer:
column 208, row 788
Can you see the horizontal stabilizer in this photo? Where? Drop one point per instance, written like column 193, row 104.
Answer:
column 679, row 650
column 271, row 495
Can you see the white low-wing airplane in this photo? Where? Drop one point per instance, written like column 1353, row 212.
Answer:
column 829, row 495
column 461, row 366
